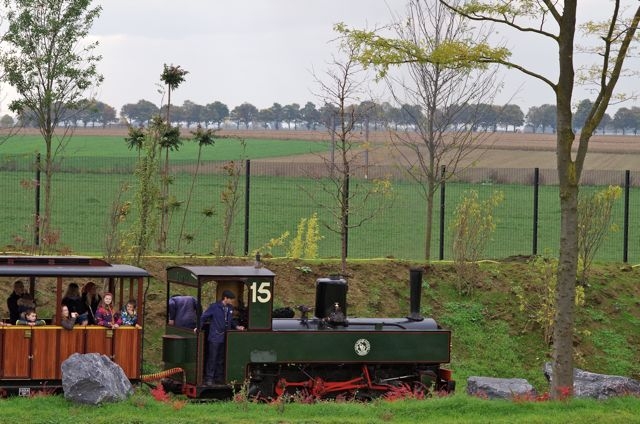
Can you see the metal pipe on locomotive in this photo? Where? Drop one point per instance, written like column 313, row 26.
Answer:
column 326, row 355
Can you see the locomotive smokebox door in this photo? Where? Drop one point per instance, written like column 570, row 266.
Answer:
column 330, row 291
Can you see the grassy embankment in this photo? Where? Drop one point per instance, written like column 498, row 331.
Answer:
column 491, row 337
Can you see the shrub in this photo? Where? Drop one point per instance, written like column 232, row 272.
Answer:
column 594, row 224
column 472, row 226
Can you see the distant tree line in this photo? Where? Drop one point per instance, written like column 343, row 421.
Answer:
column 486, row 117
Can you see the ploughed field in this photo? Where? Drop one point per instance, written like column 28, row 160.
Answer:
column 496, row 150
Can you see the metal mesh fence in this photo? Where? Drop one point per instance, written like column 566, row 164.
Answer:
column 282, row 194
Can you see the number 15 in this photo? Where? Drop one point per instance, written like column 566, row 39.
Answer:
column 260, row 292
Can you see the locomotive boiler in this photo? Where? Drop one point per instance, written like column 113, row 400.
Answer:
column 322, row 352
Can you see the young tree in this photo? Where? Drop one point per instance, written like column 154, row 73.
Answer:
column 204, row 137
column 50, row 64
column 172, row 76
column 352, row 200
column 595, row 222
column 611, row 40
column 147, row 188
column 441, row 94
column 556, row 22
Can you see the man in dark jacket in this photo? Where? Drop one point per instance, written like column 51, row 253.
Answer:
column 183, row 311
column 220, row 318
column 12, row 301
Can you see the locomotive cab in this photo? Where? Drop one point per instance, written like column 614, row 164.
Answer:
column 185, row 349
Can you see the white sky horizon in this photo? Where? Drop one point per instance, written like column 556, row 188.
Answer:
column 258, row 51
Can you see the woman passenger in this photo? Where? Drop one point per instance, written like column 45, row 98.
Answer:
column 68, row 318
column 73, row 301
column 91, row 299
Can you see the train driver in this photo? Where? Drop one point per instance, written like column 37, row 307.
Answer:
column 220, row 318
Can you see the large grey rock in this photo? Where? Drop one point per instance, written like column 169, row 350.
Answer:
column 92, row 378
column 499, row 388
column 598, row 386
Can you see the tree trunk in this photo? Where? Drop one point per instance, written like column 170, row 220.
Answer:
column 428, row 232
column 569, row 177
column 186, row 207
column 45, row 223
column 562, row 383
column 344, row 224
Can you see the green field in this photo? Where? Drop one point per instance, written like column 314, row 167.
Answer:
column 104, row 148
column 85, row 188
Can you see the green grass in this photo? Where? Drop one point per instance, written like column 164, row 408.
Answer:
column 454, row 409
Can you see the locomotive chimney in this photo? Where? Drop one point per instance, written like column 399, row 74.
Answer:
column 415, row 292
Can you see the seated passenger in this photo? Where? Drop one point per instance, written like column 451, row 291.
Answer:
column 68, row 319
column 183, row 311
column 73, row 300
column 30, row 318
column 129, row 315
column 106, row 315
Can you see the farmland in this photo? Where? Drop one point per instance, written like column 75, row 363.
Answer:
column 499, row 150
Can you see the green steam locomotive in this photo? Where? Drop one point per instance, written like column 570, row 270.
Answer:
column 322, row 352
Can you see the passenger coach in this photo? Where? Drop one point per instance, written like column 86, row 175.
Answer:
column 30, row 357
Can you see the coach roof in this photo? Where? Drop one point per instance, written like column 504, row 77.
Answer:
column 65, row 266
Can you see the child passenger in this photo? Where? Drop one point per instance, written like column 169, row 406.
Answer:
column 30, row 318
column 106, row 315
column 129, row 315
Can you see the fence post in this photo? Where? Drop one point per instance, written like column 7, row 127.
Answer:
column 536, row 185
column 247, row 192
column 442, row 211
column 346, row 218
column 36, row 226
column 625, row 229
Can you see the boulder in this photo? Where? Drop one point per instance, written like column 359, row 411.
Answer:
column 499, row 388
column 598, row 386
column 92, row 379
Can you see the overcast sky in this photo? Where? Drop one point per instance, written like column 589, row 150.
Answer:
column 257, row 51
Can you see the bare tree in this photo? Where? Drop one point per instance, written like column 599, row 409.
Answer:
column 442, row 95
column 341, row 91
